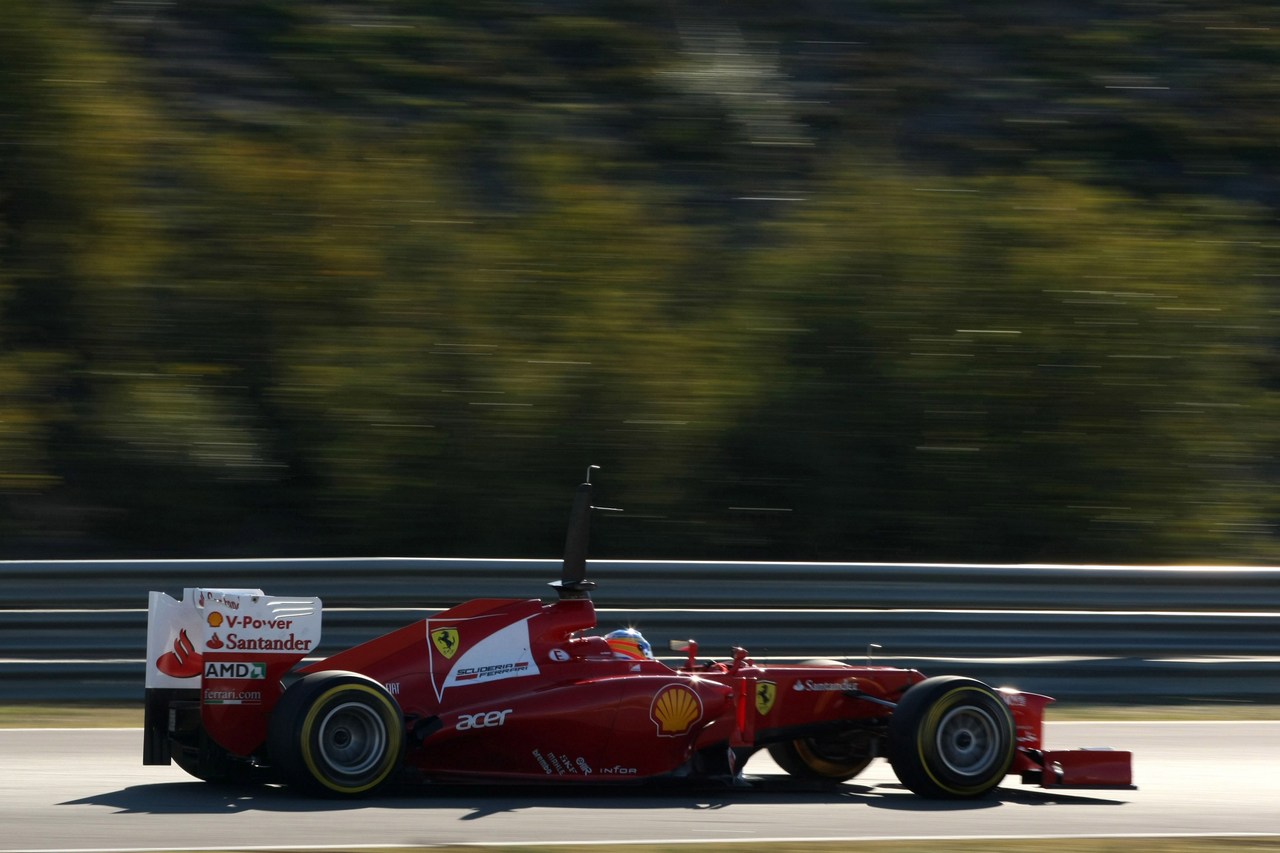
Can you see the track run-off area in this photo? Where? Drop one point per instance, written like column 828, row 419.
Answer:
column 87, row 790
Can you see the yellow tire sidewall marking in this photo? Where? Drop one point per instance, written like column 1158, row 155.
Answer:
column 394, row 737
column 929, row 725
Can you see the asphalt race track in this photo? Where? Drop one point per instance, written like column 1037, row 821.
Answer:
column 86, row 789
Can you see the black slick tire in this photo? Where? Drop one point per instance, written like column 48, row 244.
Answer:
column 337, row 734
column 827, row 759
column 951, row 738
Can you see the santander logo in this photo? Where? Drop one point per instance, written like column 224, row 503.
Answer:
column 184, row 661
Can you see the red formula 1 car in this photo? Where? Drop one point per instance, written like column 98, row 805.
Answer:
column 509, row 689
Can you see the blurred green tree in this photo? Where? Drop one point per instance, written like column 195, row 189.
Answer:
column 310, row 279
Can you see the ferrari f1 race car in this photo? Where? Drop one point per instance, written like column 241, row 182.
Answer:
column 514, row 690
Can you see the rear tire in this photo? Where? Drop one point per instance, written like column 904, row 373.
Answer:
column 951, row 738
column 337, row 734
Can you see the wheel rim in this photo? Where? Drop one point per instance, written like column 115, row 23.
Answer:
column 968, row 740
column 352, row 739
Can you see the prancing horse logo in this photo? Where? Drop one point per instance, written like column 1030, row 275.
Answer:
column 445, row 640
column 766, row 692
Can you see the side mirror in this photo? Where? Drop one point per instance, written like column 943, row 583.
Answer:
column 688, row 646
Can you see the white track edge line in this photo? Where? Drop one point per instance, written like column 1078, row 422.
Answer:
column 846, row 839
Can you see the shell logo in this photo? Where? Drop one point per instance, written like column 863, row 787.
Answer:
column 675, row 710
column 215, row 619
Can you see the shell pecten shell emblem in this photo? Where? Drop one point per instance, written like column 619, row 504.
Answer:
column 675, row 710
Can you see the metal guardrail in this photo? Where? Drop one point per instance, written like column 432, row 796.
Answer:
column 428, row 582
column 76, row 630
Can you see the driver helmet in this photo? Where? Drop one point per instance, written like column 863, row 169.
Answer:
column 629, row 643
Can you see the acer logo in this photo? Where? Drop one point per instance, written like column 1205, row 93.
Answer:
column 482, row 720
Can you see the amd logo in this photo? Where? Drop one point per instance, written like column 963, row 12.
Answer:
column 235, row 670
column 482, row 720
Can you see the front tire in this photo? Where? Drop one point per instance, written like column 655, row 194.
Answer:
column 951, row 738
column 337, row 734
column 829, row 759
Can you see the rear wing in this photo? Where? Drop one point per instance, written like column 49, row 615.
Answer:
column 224, row 625
column 225, row 649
